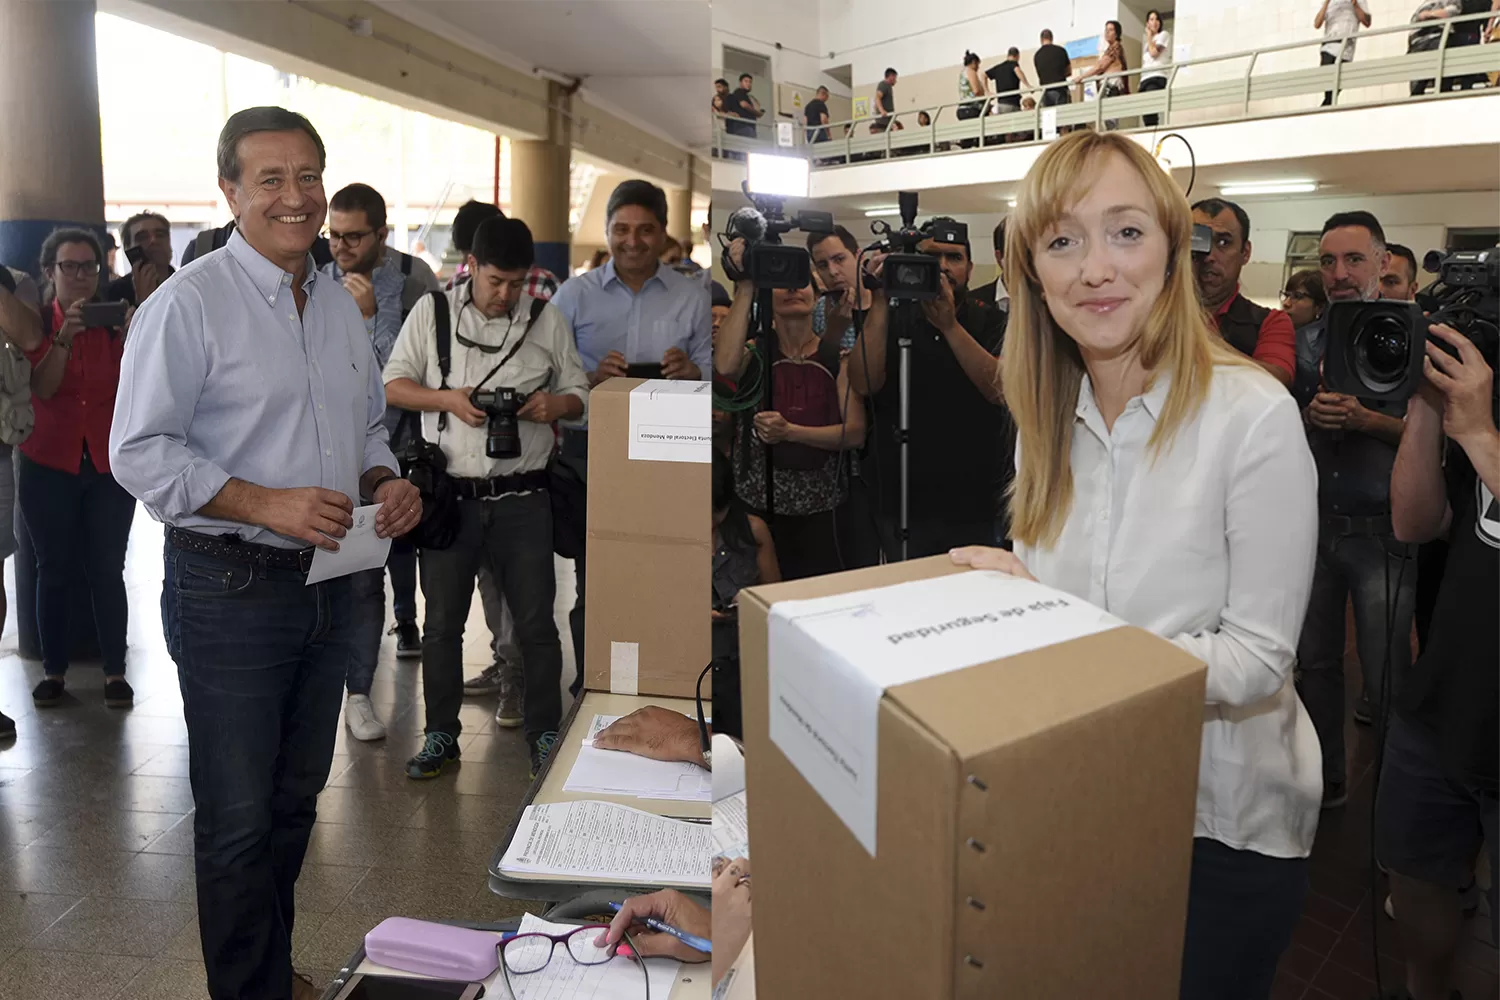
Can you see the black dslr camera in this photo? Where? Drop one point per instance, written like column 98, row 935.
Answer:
column 1375, row 349
column 768, row 263
column 909, row 274
column 502, row 433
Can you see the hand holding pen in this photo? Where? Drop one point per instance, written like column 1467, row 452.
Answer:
column 679, row 927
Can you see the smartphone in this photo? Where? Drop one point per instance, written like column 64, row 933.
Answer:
column 363, row 987
column 135, row 255
column 643, row 371
column 104, row 313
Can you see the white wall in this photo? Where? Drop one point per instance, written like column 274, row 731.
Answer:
column 758, row 27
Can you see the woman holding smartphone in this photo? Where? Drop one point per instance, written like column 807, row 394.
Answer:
column 1167, row 479
column 76, row 513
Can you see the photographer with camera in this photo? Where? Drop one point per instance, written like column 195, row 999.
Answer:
column 1359, row 557
column 73, row 508
column 511, row 371
column 1264, row 335
column 961, row 437
column 1437, row 802
column 814, row 419
column 834, row 256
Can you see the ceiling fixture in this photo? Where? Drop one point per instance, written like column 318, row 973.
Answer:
column 875, row 213
column 1269, row 187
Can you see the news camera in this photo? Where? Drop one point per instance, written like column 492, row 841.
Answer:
column 769, row 263
column 910, row 274
column 1375, row 349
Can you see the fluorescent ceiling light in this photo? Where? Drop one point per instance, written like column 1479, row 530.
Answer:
column 1269, row 187
column 873, row 213
column 780, row 176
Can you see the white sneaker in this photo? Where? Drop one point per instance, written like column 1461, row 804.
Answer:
column 360, row 717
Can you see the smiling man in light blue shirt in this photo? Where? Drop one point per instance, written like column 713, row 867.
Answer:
column 633, row 316
column 250, row 419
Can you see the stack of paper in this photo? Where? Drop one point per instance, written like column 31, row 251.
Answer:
column 602, row 840
column 564, row 979
column 731, row 827
column 614, row 772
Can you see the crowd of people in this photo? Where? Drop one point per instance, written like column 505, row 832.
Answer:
column 1194, row 475
column 252, row 399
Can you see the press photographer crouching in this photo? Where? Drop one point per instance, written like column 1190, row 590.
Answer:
column 960, row 437
column 813, row 417
column 489, row 395
column 1437, row 803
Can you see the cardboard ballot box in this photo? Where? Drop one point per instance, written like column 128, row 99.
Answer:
column 650, row 537
column 964, row 785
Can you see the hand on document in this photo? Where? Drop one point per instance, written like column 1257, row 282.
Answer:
column 670, row 907
column 654, row 732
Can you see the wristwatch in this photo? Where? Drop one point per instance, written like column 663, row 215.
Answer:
column 375, row 487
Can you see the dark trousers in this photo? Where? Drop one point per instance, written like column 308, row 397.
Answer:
column 1242, row 907
column 808, row 544
column 261, row 659
column 514, row 534
column 401, row 564
column 1432, row 559
column 1366, row 569
column 369, row 628
column 1155, row 83
column 74, row 520
column 1327, row 60
column 575, row 454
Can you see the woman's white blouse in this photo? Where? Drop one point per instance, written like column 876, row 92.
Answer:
column 1210, row 545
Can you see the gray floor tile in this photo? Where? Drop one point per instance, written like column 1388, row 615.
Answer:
column 321, row 888
column 24, row 915
column 23, row 825
column 334, row 941
column 177, row 839
column 40, row 975
column 167, row 878
column 60, row 870
column 485, row 813
column 344, row 844
column 390, row 805
column 436, row 850
column 168, row 979
column 114, row 830
column 424, row 895
column 116, row 927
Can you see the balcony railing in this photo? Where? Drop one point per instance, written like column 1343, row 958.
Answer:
column 1184, row 101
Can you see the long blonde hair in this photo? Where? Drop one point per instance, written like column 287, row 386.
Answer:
column 1041, row 370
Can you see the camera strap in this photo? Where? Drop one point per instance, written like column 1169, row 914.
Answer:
column 537, row 305
column 444, row 331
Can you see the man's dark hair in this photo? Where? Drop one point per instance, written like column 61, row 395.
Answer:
column 822, row 90
column 746, row 76
column 839, row 233
column 361, row 198
column 1047, row 35
column 1012, row 53
column 640, row 193
column 505, row 244
column 69, row 234
column 891, row 72
column 1310, row 283
column 467, row 220
column 1356, row 218
column 719, row 295
column 999, row 236
column 954, row 222
column 252, row 120
column 1214, row 206
column 1404, row 252
column 721, row 80
column 127, row 230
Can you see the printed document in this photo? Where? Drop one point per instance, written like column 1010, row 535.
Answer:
column 616, row 772
column 564, row 979
column 359, row 549
column 605, row 841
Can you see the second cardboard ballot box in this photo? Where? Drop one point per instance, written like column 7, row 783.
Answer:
column 963, row 784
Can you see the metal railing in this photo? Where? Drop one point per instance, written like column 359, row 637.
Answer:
column 1204, row 102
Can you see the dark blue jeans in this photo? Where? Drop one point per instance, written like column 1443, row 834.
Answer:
column 369, row 610
column 77, row 520
column 1242, row 907
column 261, row 659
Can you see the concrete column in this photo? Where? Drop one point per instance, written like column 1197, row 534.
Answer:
column 540, row 175
column 680, row 213
column 51, row 170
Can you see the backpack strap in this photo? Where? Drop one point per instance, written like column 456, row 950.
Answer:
column 405, row 259
column 444, row 345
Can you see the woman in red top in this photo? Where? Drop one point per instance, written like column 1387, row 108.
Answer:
column 75, row 512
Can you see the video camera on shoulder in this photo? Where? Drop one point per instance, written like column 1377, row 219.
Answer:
column 502, row 432
column 1375, row 349
column 768, row 262
column 909, row 273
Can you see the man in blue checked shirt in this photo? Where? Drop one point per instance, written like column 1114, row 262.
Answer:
column 386, row 284
column 250, row 419
column 633, row 316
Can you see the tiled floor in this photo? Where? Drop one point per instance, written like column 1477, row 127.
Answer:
column 96, row 868
column 1331, row 956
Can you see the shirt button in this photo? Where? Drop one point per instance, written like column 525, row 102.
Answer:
column 320, row 406
column 328, row 451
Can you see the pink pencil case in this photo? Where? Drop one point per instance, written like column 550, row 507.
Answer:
column 434, row 949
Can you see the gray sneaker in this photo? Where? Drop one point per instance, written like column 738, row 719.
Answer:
column 486, row 683
column 508, row 714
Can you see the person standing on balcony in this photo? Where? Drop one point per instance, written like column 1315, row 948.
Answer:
column 1111, row 61
column 1052, row 69
column 1156, row 55
column 1340, row 21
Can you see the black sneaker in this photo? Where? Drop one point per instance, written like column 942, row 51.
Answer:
column 1335, row 794
column 408, row 640
column 1364, row 712
column 540, row 751
column 7, row 727
column 118, row 694
column 437, row 750
column 48, row 693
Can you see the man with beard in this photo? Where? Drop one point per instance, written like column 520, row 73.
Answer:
column 1264, row 335
column 961, row 438
column 250, row 420
column 386, row 284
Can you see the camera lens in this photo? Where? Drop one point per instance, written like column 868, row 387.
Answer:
column 1381, row 351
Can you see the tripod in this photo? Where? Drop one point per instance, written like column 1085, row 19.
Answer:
column 901, row 313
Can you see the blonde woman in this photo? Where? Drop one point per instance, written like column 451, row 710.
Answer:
column 1162, row 476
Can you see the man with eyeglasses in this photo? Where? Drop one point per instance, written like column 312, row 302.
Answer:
column 499, row 338
column 1264, row 335
column 386, row 285
column 151, row 233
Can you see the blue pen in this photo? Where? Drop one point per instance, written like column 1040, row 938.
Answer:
column 693, row 941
